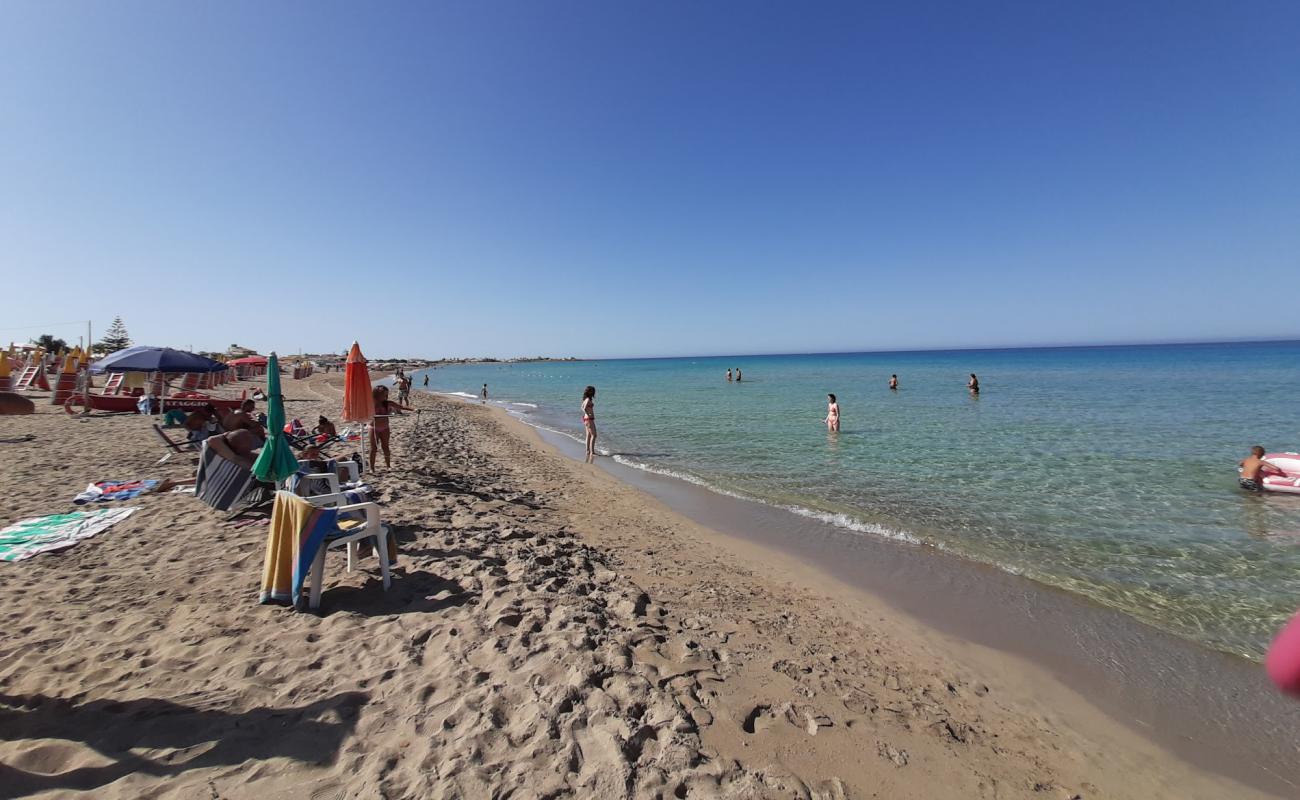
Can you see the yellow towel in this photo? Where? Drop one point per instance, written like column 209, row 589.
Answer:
column 297, row 532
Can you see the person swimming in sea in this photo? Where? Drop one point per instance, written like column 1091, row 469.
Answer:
column 832, row 413
column 1253, row 470
column 893, row 382
column 973, row 384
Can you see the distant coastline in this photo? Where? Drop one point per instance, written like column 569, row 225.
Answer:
column 987, row 349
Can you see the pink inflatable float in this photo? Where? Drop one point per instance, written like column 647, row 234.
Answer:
column 1289, row 480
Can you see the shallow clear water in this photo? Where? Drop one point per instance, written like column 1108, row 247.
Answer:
column 1105, row 471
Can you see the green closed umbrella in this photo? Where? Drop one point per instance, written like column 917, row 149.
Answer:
column 276, row 461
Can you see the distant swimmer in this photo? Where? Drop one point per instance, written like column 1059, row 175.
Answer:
column 589, row 418
column 1253, row 470
column 832, row 413
column 973, row 384
column 729, row 375
column 737, row 374
column 893, row 382
column 484, row 393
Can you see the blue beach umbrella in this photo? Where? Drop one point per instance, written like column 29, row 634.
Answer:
column 276, row 461
column 155, row 359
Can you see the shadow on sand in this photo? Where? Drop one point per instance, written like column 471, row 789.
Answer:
column 213, row 736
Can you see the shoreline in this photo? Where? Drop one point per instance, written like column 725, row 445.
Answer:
column 1155, row 684
column 551, row 630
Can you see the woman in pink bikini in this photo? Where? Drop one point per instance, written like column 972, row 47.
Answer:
column 832, row 413
column 589, row 418
column 379, row 429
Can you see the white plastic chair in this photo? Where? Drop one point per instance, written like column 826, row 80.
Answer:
column 352, row 536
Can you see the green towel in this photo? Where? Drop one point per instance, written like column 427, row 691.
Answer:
column 28, row 537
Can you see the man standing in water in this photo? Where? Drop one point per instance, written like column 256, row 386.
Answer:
column 484, row 393
column 973, row 384
column 737, row 374
column 893, row 382
column 728, row 374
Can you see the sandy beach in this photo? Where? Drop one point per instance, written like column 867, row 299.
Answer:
column 550, row 631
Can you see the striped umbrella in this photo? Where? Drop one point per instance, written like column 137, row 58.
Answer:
column 276, row 461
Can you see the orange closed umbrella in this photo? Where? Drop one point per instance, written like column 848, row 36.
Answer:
column 358, row 402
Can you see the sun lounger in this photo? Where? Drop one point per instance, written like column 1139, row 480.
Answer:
column 173, row 447
column 226, row 486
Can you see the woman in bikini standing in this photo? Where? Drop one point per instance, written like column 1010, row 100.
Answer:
column 379, row 429
column 832, row 413
column 589, row 418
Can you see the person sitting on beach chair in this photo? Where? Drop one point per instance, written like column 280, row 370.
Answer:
column 202, row 423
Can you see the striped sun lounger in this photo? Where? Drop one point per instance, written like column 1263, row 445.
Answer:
column 226, row 486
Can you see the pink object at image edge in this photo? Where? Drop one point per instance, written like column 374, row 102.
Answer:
column 1283, row 659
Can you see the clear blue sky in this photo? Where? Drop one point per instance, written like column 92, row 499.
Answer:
column 638, row 178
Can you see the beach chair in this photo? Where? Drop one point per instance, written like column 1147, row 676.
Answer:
column 173, row 447
column 307, row 484
column 228, row 487
column 304, row 528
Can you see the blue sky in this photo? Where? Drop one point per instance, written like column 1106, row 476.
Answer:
column 628, row 179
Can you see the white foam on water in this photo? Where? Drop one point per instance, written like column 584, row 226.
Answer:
column 837, row 520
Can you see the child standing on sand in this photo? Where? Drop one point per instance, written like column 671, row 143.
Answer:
column 589, row 418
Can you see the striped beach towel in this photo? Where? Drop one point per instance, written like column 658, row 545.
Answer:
column 29, row 537
column 298, row 531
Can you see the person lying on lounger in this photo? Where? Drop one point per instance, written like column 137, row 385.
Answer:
column 243, row 420
column 238, row 446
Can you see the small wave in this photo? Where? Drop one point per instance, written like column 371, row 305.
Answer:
column 849, row 523
column 458, row 394
column 838, row 520
column 525, row 405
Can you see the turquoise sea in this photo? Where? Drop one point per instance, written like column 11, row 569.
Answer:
column 1106, row 471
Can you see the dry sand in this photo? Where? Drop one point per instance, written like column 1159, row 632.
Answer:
column 550, row 632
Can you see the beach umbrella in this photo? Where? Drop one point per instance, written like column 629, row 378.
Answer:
column 358, row 402
column 155, row 359
column 143, row 358
column 276, row 461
